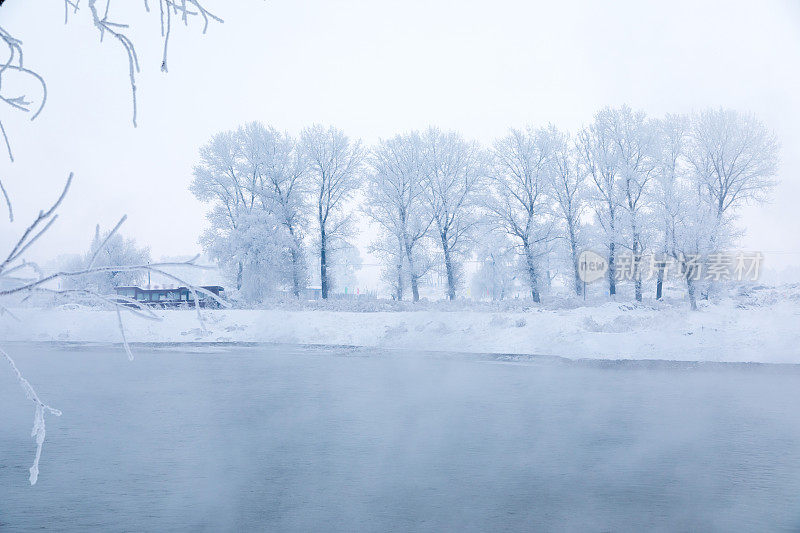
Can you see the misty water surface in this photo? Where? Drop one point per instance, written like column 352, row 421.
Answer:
column 281, row 438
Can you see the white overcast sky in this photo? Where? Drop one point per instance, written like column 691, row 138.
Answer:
column 376, row 68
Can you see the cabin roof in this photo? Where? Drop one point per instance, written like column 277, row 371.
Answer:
column 172, row 289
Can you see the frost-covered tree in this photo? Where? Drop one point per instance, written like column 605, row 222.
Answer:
column 734, row 158
column 345, row 262
column 252, row 253
column 225, row 176
column 518, row 203
column 334, row 168
column 635, row 143
column 694, row 223
column 226, row 179
column 600, row 161
column 389, row 250
column 692, row 236
column 497, row 269
column 454, row 174
column 682, row 220
column 281, row 189
column 670, row 189
column 395, row 199
column 108, row 249
column 568, row 191
column 253, row 179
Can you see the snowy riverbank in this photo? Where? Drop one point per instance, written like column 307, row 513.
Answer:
column 766, row 329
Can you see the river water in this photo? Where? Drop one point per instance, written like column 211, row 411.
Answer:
column 308, row 439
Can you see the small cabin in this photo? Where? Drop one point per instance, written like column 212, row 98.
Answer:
column 170, row 297
column 311, row 293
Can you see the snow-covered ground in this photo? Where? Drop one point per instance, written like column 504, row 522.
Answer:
column 761, row 326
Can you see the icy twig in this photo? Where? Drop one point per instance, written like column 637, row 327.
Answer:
column 6, row 141
column 7, row 311
column 8, row 202
column 15, row 63
column 103, row 25
column 105, row 241
column 28, row 238
column 38, row 431
column 122, row 332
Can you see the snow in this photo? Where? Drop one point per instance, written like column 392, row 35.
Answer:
column 758, row 327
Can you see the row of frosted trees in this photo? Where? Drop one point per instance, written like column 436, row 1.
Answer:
column 626, row 184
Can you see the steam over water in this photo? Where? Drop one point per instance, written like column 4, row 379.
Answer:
column 280, row 438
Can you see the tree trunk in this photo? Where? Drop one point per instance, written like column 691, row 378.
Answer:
column 573, row 244
column 690, row 291
column 532, row 276
column 448, row 265
column 323, row 263
column 413, row 273
column 689, row 273
column 612, row 274
column 612, row 281
column 295, row 273
column 494, row 288
column 400, row 282
column 660, row 279
column 662, row 264
column 238, row 278
column 415, row 287
column 637, row 253
column 709, row 285
column 637, row 281
column 296, row 261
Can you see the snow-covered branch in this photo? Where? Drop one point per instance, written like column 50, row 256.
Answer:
column 100, row 18
column 38, row 431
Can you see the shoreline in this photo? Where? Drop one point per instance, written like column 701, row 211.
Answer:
column 353, row 351
column 723, row 332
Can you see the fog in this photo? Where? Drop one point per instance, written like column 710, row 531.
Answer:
column 374, row 69
column 289, row 438
column 214, row 427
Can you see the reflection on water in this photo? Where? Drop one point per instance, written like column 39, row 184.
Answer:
column 278, row 438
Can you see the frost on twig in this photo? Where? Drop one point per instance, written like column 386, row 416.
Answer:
column 8, row 202
column 14, row 262
column 185, row 9
column 14, row 65
column 12, row 62
column 21, row 277
column 38, row 431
